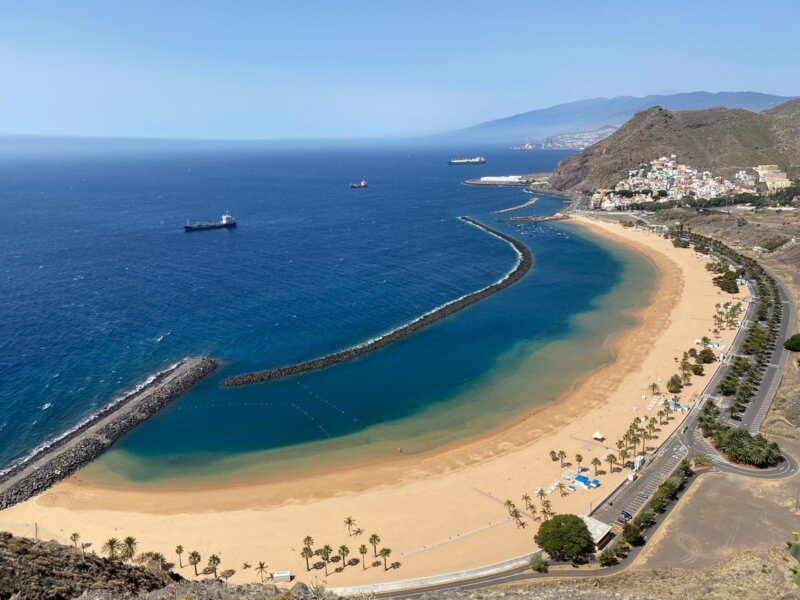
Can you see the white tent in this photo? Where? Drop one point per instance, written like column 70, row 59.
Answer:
column 598, row 436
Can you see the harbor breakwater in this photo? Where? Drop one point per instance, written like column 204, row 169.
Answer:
column 522, row 266
column 81, row 445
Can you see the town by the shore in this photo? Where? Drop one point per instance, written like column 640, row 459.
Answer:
column 438, row 512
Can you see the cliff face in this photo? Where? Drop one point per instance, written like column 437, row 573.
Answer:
column 717, row 139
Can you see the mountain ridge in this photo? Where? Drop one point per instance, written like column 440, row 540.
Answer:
column 593, row 113
column 718, row 139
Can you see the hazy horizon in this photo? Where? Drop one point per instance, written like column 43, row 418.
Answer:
column 357, row 69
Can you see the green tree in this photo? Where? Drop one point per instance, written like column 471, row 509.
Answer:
column 793, row 343
column 385, row 553
column 362, row 550
column 261, row 568
column 596, row 462
column 307, row 553
column 633, row 534
column 344, row 551
column 325, row 553
column 611, row 459
column 374, row 540
column 561, row 456
column 213, row 562
column 308, row 541
column 179, row 552
column 194, row 560
column 578, row 461
column 74, row 538
column 129, row 545
column 112, row 547
column 565, row 537
column 349, row 522
column 674, row 385
column 553, row 455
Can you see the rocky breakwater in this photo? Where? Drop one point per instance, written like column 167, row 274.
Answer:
column 97, row 433
column 522, row 266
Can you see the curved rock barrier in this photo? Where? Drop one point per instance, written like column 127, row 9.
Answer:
column 95, row 435
column 524, row 262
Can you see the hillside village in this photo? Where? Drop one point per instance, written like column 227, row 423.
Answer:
column 665, row 179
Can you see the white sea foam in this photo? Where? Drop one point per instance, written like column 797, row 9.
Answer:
column 45, row 406
column 44, row 446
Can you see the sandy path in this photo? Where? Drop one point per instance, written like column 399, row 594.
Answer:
column 439, row 512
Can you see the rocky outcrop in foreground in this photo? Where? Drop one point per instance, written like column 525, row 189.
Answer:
column 96, row 435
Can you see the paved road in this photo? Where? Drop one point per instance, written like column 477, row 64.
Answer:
column 686, row 441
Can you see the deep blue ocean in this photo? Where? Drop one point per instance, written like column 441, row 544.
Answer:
column 100, row 287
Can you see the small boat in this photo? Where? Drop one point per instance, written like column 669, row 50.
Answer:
column 226, row 222
column 359, row 185
column 477, row 160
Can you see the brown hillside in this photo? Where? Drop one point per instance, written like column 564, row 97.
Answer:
column 717, row 138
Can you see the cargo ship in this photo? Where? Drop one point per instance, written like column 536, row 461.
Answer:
column 227, row 221
column 359, row 185
column 477, row 160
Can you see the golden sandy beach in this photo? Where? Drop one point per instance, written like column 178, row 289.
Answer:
column 439, row 512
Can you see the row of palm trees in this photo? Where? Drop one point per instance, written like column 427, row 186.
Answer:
column 326, row 552
column 546, row 510
column 125, row 549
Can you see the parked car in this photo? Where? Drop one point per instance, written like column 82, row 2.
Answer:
column 626, row 515
column 642, row 494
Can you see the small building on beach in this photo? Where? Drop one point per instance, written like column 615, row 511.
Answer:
column 601, row 532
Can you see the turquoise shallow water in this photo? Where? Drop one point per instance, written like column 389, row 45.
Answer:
column 105, row 288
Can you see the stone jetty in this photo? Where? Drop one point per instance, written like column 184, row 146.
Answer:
column 94, row 436
column 523, row 265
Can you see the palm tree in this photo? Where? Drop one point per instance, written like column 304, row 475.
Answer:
column 343, row 552
column 596, row 462
column 307, row 553
column 623, row 456
column 547, row 510
column 385, row 553
column 562, row 489
column 111, row 547
column 661, row 415
column 375, row 540
column 542, row 494
column 362, row 550
column 621, row 445
column 553, row 455
column 349, row 522
column 611, row 459
column 635, row 442
column 213, row 563
column 654, row 388
column 194, row 560
column 325, row 553
column 74, row 538
column 158, row 558
column 533, row 511
column 526, row 500
column 561, row 456
column 308, row 541
column 578, row 460
column 261, row 568
column 246, row 565
column 179, row 552
column 129, row 545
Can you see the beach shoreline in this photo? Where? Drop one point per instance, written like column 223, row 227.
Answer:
column 442, row 510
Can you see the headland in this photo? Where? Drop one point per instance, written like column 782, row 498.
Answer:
column 521, row 267
column 441, row 511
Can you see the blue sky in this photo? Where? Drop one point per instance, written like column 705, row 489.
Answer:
column 343, row 68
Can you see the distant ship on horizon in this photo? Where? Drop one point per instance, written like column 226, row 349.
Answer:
column 361, row 184
column 227, row 221
column 477, row 160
